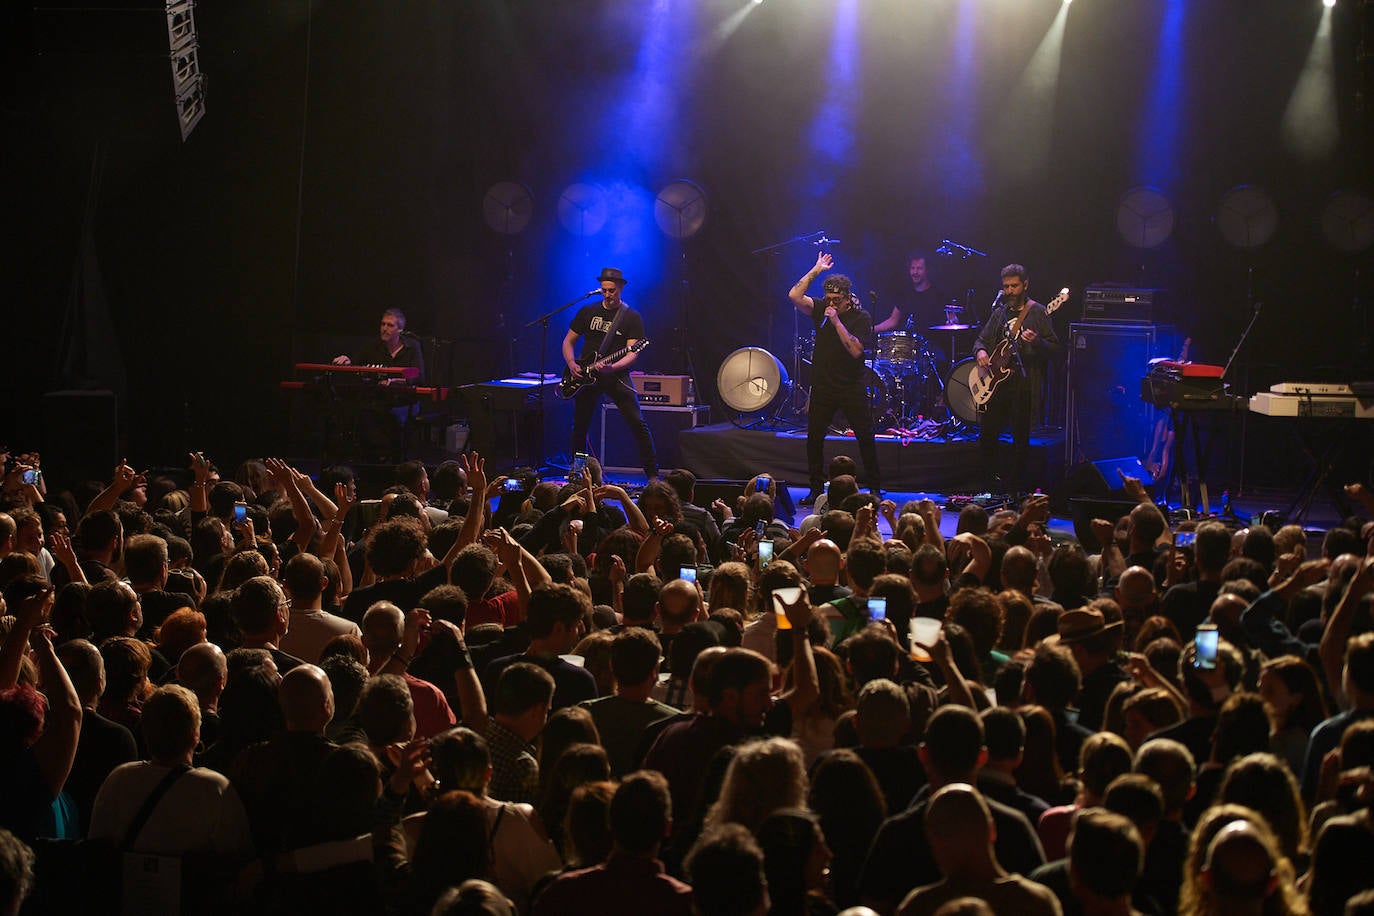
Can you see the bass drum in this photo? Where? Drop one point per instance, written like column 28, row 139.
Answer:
column 751, row 380
column 958, row 394
column 882, row 384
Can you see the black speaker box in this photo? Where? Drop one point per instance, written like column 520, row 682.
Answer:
column 1100, row 480
column 1106, row 362
column 618, row 448
column 708, row 491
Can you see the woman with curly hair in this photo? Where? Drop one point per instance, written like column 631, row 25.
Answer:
column 765, row 776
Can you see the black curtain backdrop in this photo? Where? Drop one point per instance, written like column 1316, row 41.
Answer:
column 347, row 145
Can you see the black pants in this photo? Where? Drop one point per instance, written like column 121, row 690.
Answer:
column 620, row 392
column 853, row 400
column 1009, row 406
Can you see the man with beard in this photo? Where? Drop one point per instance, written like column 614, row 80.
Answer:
column 1010, row 404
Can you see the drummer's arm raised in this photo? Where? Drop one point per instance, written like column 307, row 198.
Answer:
column 797, row 293
column 890, row 322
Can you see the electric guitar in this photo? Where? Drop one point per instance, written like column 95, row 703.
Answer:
column 572, row 384
column 1001, row 361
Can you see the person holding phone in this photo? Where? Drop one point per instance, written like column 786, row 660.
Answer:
column 843, row 332
column 606, row 328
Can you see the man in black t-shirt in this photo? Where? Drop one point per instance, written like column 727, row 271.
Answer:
column 922, row 307
column 391, row 348
column 843, row 332
column 596, row 323
column 379, row 421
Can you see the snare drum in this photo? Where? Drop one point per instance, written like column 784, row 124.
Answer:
column 898, row 348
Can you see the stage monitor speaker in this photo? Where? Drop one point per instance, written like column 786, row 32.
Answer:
column 708, row 491
column 1101, row 480
column 619, row 452
column 1083, row 509
column 1105, row 413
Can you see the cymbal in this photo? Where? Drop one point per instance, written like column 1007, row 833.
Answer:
column 950, row 327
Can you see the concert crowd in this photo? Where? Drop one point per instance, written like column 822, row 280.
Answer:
column 271, row 692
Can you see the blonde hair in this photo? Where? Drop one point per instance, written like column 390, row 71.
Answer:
column 1193, row 899
column 764, row 776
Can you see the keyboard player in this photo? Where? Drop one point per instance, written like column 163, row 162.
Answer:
column 393, row 347
column 380, row 427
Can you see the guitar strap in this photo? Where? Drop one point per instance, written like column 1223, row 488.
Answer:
column 610, row 334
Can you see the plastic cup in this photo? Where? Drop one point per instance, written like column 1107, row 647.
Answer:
column 925, row 632
column 788, row 594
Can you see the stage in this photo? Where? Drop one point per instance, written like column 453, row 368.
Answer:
column 723, row 450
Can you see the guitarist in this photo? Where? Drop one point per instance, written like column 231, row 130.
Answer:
column 608, row 326
column 1011, row 401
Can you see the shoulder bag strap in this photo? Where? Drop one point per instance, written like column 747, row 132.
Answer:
column 150, row 803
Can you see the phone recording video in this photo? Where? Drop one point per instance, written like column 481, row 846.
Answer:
column 240, row 513
column 513, row 485
column 1205, row 643
column 877, row 608
column 761, row 484
column 578, row 466
column 688, row 573
column 33, row 476
column 765, row 553
column 1185, row 538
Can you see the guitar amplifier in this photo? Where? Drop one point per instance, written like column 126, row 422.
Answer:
column 664, row 390
column 1114, row 303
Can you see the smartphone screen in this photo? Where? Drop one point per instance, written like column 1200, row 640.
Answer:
column 761, row 484
column 765, row 553
column 788, row 594
column 1205, row 642
column 689, row 573
column 1185, row 538
column 758, row 530
column 240, row 513
column 33, row 476
column 579, row 465
column 877, row 608
column 513, row 485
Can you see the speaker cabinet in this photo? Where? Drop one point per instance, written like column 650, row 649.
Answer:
column 1105, row 414
column 618, row 449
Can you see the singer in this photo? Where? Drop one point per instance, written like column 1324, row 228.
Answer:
column 1011, row 402
column 609, row 326
column 393, row 347
column 843, row 332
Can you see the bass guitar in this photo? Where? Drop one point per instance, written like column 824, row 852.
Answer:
column 572, row 384
column 1002, row 361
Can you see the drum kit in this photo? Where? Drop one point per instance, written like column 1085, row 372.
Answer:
column 913, row 389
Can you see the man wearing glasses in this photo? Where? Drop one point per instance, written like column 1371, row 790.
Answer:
column 843, row 332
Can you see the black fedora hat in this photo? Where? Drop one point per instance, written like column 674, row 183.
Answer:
column 613, row 274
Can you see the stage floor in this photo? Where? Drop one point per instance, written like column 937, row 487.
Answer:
column 723, row 450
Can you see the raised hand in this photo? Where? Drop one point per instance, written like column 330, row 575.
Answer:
column 475, row 468
column 824, row 261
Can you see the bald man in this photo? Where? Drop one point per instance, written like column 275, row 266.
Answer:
column 203, row 670
column 824, row 561
column 960, row 830
column 1136, row 593
column 274, row 778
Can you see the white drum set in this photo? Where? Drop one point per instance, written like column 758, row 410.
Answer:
column 912, row 387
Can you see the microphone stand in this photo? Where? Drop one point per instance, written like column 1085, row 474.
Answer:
column 543, row 322
column 797, row 395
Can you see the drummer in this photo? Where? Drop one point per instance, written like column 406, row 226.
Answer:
column 922, row 307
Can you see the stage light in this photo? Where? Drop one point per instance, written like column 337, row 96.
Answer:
column 1328, row 3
